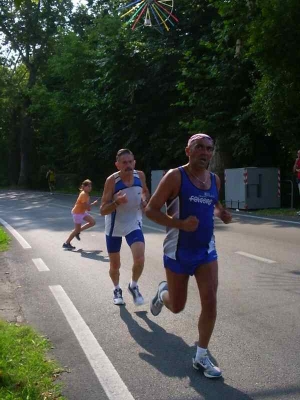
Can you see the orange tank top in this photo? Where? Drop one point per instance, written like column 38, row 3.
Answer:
column 80, row 207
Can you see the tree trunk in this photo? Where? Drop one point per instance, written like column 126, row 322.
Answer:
column 220, row 162
column 27, row 132
column 14, row 148
column 25, row 148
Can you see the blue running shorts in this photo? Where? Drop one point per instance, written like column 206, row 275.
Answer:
column 187, row 262
column 113, row 243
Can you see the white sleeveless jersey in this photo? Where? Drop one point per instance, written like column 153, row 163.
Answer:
column 128, row 216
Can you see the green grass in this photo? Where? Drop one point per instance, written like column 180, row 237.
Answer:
column 279, row 212
column 4, row 240
column 25, row 371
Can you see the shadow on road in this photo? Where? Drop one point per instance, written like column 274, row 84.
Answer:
column 170, row 355
column 92, row 254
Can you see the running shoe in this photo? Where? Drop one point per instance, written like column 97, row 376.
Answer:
column 157, row 302
column 209, row 369
column 77, row 236
column 135, row 293
column 118, row 297
column 68, row 246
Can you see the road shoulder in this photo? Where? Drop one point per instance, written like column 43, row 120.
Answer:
column 10, row 309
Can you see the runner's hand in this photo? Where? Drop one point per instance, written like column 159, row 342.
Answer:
column 143, row 204
column 225, row 216
column 121, row 198
column 190, row 224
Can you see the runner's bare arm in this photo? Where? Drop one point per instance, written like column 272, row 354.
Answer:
column 168, row 188
column 295, row 166
column 107, row 206
column 145, row 190
column 220, row 211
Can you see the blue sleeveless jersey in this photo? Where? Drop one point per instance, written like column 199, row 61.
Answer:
column 192, row 201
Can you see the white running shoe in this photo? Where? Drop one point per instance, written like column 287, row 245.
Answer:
column 136, row 294
column 209, row 369
column 157, row 302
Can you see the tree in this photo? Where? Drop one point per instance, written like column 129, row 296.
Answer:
column 12, row 83
column 274, row 46
column 29, row 29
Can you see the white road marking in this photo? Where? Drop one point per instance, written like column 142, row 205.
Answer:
column 266, row 218
column 154, row 228
column 108, row 377
column 41, row 266
column 16, row 234
column 266, row 260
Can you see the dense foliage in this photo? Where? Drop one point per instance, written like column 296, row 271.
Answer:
column 77, row 84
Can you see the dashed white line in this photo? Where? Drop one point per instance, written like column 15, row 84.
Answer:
column 266, row 260
column 16, row 234
column 41, row 266
column 108, row 377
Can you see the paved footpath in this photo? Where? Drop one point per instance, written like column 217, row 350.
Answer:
column 11, row 311
column 257, row 340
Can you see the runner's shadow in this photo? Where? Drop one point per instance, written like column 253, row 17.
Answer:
column 170, row 355
column 92, row 254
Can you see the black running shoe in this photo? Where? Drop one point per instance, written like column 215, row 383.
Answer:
column 118, row 297
column 68, row 246
column 77, row 236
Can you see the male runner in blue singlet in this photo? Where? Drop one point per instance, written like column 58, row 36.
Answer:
column 125, row 195
column 191, row 195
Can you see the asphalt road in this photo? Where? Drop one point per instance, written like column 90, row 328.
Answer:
column 124, row 353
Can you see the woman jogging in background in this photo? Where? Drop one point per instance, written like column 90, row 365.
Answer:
column 80, row 213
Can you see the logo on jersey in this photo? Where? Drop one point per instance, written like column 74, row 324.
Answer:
column 202, row 200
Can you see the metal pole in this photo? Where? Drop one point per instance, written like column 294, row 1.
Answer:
column 292, row 191
column 292, row 194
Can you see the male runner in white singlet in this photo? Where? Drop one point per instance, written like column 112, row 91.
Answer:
column 124, row 197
